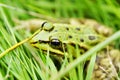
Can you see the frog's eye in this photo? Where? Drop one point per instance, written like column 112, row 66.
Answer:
column 55, row 43
column 47, row 26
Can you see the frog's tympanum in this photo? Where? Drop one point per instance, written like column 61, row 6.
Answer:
column 56, row 37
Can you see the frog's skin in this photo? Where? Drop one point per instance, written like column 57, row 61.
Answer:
column 57, row 35
column 34, row 24
column 86, row 34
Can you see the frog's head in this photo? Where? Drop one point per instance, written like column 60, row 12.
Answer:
column 55, row 37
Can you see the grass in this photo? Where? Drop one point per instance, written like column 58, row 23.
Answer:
column 25, row 62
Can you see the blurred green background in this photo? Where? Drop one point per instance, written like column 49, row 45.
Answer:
column 21, row 66
column 104, row 11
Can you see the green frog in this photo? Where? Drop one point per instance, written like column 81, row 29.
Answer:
column 56, row 36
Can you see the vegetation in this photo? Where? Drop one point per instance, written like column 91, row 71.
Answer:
column 25, row 62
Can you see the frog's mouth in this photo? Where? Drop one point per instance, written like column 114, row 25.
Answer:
column 53, row 47
column 56, row 47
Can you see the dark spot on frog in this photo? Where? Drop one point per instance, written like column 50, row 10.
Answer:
column 77, row 28
column 69, row 36
column 55, row 30
column 67, row 28
column 81, row 40
column 91, row 37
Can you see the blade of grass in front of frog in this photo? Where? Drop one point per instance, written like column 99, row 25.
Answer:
column 91, row 67
column 80, row 67
column 85, row 56
column 73, row 72
column 18, row 44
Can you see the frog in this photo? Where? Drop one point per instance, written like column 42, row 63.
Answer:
column 56, row 36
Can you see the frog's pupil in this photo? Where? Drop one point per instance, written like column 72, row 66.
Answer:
column 55, row 43
column 91, row 37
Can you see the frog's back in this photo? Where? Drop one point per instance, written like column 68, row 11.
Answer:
column 75, row 33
